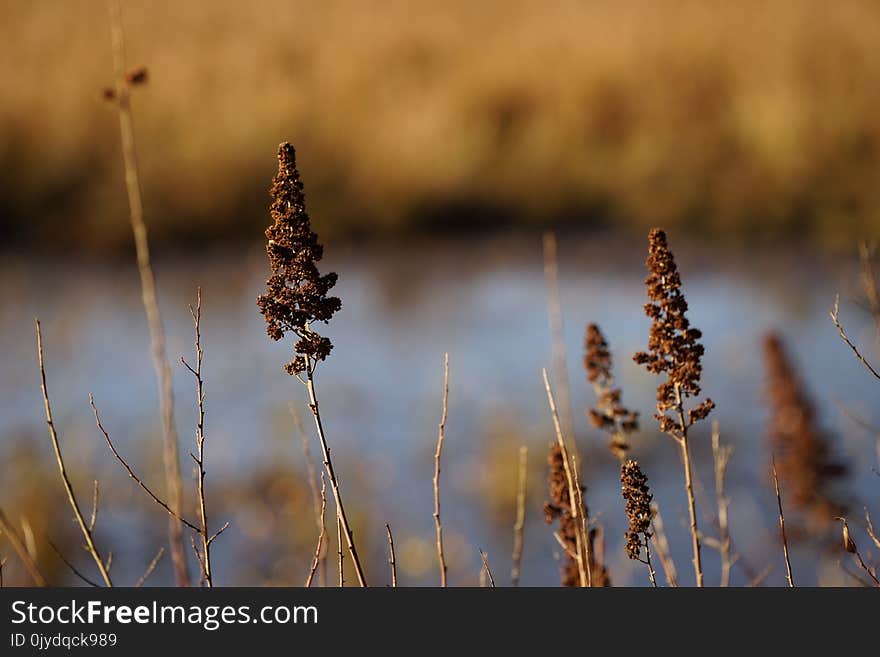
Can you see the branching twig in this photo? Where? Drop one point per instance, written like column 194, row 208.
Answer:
column 65, row 480
column 661, row 547
column 19, row 548
column 391, row 561
column 199, row 457
column 150, row 568
column 835, row 317
column 440, row 435
column 132, row 474
column 782, row 525
column 850, row 546
column 343, row 527
column 870, row 527
column 317, row 560
column 519, row 524
column 148, row 290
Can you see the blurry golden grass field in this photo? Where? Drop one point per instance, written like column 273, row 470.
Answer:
column 726, row 118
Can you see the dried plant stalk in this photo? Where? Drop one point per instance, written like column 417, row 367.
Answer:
column 559, row 360
column 171, row 453
column 150, row 568
column 565, row 499
column 319, row 496
column 661, row 547
column 850, row 546
column 438, row 525
column 321, row 532
column 391, row 562
column 487, row 570
column 788, row 575
column 62, row 471
column 721, row 457
column 520, row 522
column 19, row 548
column 674, row 350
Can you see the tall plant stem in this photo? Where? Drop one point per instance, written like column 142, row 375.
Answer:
column 171, row 453
column 62, row 471
column 331, row 474
column 689, row 486
column 440, row 435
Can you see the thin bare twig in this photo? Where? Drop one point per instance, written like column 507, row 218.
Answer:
column 72, row 568
column 319, row 501
column 94, row 517
column 170, row 450
column 65, row 480
column 391, row 561
column 150, row 568
column 850, row 546
column 559, row 361
column 317, row 560
column 520, row 523
column 782, row 525
column 331, row 474
column 131, row 472
column 721, row 457
column 487, row 569
column 661, row 547
column 870, row 527
column 20, row 549
column 440, row 435
column 199, row 456
column 572, row 494
column 339, row 554
column 835, row 317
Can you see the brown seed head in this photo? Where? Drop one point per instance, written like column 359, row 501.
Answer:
column 673, row 345
column 296, row 293
column 637, row 495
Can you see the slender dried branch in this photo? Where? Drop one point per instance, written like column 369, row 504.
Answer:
column 72, row 568
column 661, row 547
column 331, row 474
column 559, row 359
column 321, row 532
column 62, row 471
column 572, row 494
column 870, row 528
column 721, row 457
column 199, row 456
column 339, row 554
column 487, row 570
column 319, row 500
column 20, row 549
column 132, row 474
column 94, row 517
column 520, row 523
column 782, row 525
column 150, row 568
column 171, row 453
column 850, row 546
column 835, row 317
column 391, row 561
column 440, row 435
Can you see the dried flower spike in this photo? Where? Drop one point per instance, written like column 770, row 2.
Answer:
column 296, row 293
column 674, row 350
column 637, row 495
column 673, row 345
column 802, row 450
column 610, row 414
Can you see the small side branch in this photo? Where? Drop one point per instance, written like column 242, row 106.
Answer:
column 150, row 568
column 62, row 471
column 440, row 435
column 321, row 533
column 782, row 525
column 835, row 317
column 721, row 457
column 487, row 570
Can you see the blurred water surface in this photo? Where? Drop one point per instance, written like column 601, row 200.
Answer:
column 404, row 306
